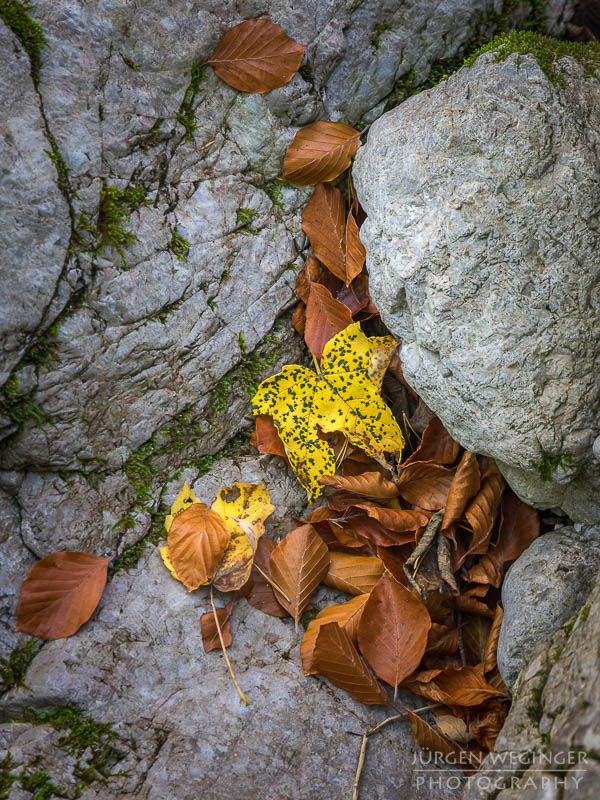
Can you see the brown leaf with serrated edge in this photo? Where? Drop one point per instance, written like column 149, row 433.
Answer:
column 323, row 221
column 519, row 527
column 453, row 686
column 347, row 615
column 265, row 437
column 442, row 640
column 465, row 485
column 368, row 484
column 320, row 152
column 395, row 519
column 298, row 565
column 325, row 317
column 425, row 485
column 299, row 319
column 355, row 250
column 436, row 446
column 337, row 658
column 256, row 56
column 210, row 634
column 261, row 594
column 491, row 648
column 430, row 739
column 60, row 593
column 309, row 272
column 482, row 511
column 353, row 574
column 197, row 542
column 392, row 632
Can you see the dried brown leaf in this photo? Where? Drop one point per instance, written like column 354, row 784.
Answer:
column 320, row 152
column 208, row 627
column 325, row 317
column 367, row 484
column 436, row 446
column 355, row 250
column 464, row 485
column 265, row 437
column 453, row 686
column 347, row 615
column 482, row 511
column 323, row 221
column 425, row 485
column 430, row 739
column 352, row 573
column 491, row 648
column 262, row 595
column 197, row 542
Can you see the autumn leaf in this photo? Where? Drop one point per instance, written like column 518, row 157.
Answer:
column 325, row 317
column 436, row 446
column 395, row 519
column 60, row 593
column 309, row 273
column 371, row 530
column 337, row 658
column 354, row 249
column 184, row 500
column 465, row 484
column 453, row 686
column 299, row 319
column 265, row 437
column 347, row 615
column 298, row 565
column 353, row 573
column 394, row 559
column 320, row 152
column 482, row 510
column 425, row 485
column 384, row 348
column 442, row 640
column 208, row 628
column 324, row 222
column 427, row 737
column 369, row 484
column 491, row 648
column 392, row 632
column 256, row 56
column 341, row 398
column 262, row 595
column 196, row 544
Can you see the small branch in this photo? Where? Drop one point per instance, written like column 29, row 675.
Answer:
column 361, row 761
column 237, row 686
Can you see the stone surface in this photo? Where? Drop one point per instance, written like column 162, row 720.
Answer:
column 482, row 245
column 542, row 590
column 555, row 711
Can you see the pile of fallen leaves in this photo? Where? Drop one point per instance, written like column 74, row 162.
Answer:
column 416, row 530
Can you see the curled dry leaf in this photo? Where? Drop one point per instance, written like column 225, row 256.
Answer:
column 395, row 519
column 347, row 615
column 369, row 484
column 256, row 56
column 384, row 348
column 60, row 593
column 442, row 640
column 425, row 485
column 374, row 532
column 320, row 152
column 262, row 595
column 436, row 446
column 265, row 437
column 353, row 574
column 452, row 727
column 325, row 317
column 491, row 648
column 355, row 250
column 464, row 485
column 482, row 511
column 234, row 568
column 453, row 686
column 323, row 221
column 336, row 657
column 394, row 559
column 196, row 544
column 210, row 635
column 392, row 632
column 298, row 565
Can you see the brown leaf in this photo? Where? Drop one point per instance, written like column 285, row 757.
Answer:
column 436, row 446
column 482, row 511
column 491, row 649
column 323, row 221
column 309, row 272
column 320, row 152
column 261, row 594
column 265, row 437
column 346, row 536
column 470, row 605
column 324, row 318
column 454, row 728
column 485, row 729
column 425, row 485
column 392, row 632
column 353, row 574
column 442, row 640
column 464, row 485
column 356, row 296
column 298, row 565
column 355, row 250
column 453, row 686
column 394, row 559
column 374, row 532
column 299, row 319
column 336, row 657
column 197, row 542
column 256, row 56
column 60, row 593
column 368, row 484
column 395, row 519
column 347, row 615
column 427, row 737
column 210, row 635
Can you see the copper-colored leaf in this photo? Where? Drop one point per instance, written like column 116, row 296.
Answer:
column 470, row 605
column 368, row 484
column 491, row 648
column 436, row 445
column 485, row 729
column 299, row 319
column 464, row 485
column 482, row 510
column 392, row 632
column 197, row 542
column 425, row 485
column 353, row 574
column 355, row 250
column 265, row 437
column 336, row 657
column 347, row 615
column 394, row 559
column 298, row 565
column 256, row 56
column 374, row 532
column 325, row 317
column 210, row 634
column 395, row 519
column 323, row 221
column 320, row 152
column 430, row 739
column 309, row 272
column 453, row 686
column 261, row 594
column 442, row 640
column 60, row 593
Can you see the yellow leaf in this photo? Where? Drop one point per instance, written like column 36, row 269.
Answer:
column 343, row 397
column 383, row 350
column 184, row 500
column 164, row 554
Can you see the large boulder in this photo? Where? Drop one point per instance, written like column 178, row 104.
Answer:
column 483, row 250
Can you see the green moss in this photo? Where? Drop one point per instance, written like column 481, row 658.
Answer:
column 548, row 463
column 13, row 668
column 584, row 614
column 274, row 191
column 45, row 349
column 308, row 616
column 244, row 218
column 15, row 15
column 7, row 775
column 62, row 170
column 116, row 206
column 286, row 655
column 20, row 407
column 535, row 708
column 38, row 782
column 379, row 29
column 129, row 62
column 186, row 115
column 179, row 246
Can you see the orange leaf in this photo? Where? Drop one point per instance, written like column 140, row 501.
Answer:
column 261, row 594
column 482, row 511
column 324, row 318
column 197, row 542
column 347, row 615
column 298, row 565
column 353, row 574
column 320, row 152
column 60, row 593
column 491, row 649
column 395, row 519
column 427, row 737
column 299, row 319
column 355, row 250
column 442, row 640
column 392, row 632
column 323, row 221
column 265, row 437
column 394, row 559
column 425, row 485
column 309, row 272
column 336, row 657
column 436, row 445
column 256, row 56
column 367, row 484
column 465, row 484
column 374, row 532
column 453, row 686
column 210, row 635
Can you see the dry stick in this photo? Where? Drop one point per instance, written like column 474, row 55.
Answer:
column 237, row 686
column 273, row 584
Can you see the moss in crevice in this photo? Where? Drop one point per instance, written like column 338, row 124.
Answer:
column 549, row 463
column 44, row 349
column 275, row 194
column 186, row 115
column 14, row 668
column 116, row 206
column 20, row 407
column 15, row 15
column 244, row 218
column 179, row 246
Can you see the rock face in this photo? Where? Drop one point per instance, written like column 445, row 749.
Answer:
column 542, row 590
column 482, row 248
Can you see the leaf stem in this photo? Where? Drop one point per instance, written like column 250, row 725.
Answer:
column 237, row 686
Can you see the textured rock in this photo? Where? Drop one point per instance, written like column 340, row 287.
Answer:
column 542, row 590
column 482, row 246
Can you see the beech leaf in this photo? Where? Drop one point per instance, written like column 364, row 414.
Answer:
column 482, row 510
column 196, row 544
column 425, row 485
column 347, row 615
column 436, row 446
column 453, row 686
column 262, row 595
column 368, row 484
column 320, row 152
column 325, row 317
column 465, row 484
column 210, row 635
column 323, row 221
column 184, row 500
column 265, row 437
column 355, row 250
column 352, row 573
column 427, row 737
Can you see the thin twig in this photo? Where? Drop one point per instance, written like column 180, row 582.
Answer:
column 237, row 686
column 273, row 584
column 204, row 146
column 361, row 761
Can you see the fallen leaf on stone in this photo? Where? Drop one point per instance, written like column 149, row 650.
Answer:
column 369, row 484
column 465, row 485
column 425, row 485
column 197, row 541
column 265, row 437
column 436, row 446
column 453, row 686
column 354, row 574
column 262, row 595
column 325, row 317
column 428, row 738
column 210, row 635
column 164, row 554
column 298, row 565
column 393, row 630
column 60, row 593
column 384, row 348
column 184, row 500
column 320, row 152
column 256, row 56
column 234, row 568
column 453, row 728
column 309, row 273
column 324, row 222
column 355, row 250
column 338, row 659
column 347, row 615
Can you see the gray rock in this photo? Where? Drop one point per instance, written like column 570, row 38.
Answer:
column 481, row 196
column 542, row 589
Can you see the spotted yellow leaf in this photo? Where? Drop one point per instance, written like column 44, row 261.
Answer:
column 344, row 397
column 184, row 500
